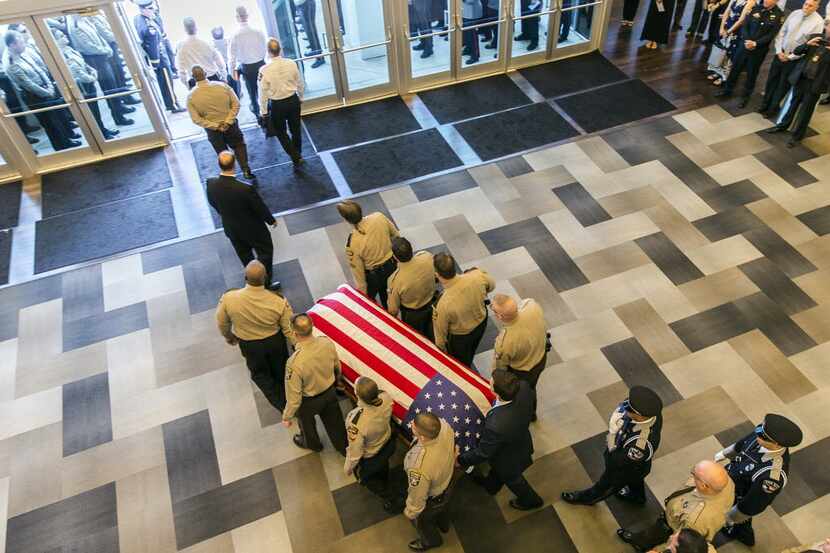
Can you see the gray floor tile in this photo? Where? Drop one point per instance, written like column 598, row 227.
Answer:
column 358, row 508
column 584, row 207
column 779, row 251
column 83, row 293
column 443, row 184
column 637, row 368
column 104, row 325
column 87, row 419
column 192, row 465
column 711, row 326
column 294, row 285
column 669, row 258
column 205, row 283
column 727, row 223
column 818, row 220
column 768, row 317
column 777, row 286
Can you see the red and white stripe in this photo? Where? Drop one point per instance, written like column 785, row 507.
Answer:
column 372, row 343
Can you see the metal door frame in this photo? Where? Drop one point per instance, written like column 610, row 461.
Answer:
column 542, row 54
column 466, row 73
column 408, row 83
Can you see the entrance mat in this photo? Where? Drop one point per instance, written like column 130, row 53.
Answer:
column 107, row 181
column 395, row 160
column 5, row 255
column 515, row 131
column 573, row 75
column 282, row 188
column 262, row 152
column 473, row 98
column 591, row 109
column 9, row 204
column 360, row 123
column 103, row 230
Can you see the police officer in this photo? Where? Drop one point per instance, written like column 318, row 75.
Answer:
column 460, row 316
column 756, row 35
column 522, row 345
column 260, row 322
column 429, row 469
column 419, row 10
column 371, row 443
column 151, row 34
column 633, row 438
column 311, row 376
column 99, row 21
column 758, row 464
column 369, row 249
column 411, row 288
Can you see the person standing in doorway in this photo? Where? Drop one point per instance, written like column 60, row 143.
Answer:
column 246, row 55
column 280, row 97
column 658, row 20
column 193, row 51
column 150, row 33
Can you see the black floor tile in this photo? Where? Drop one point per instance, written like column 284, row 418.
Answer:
column 5, row 254
column 646, row 142
column 731, row 435
column 590, row 109
column 83, row 293
column 669, row 258
column 572, row 75
column 797, row 493
column 492, row 94
column 712, row 326
column 358, row 508
column 326, row 215
column 818, row 220
column 294, row 285
column 25, row 294
column 733, row 195
column 692, row 175
column 514, row 166
column 105, row 541
column 777, row 286
column 104, row 230
column 104, row 182
column 488, row 340
column 583, row 206
column 10, row 204
column 87, row 419
column 205, row 283
column 192, row 465
column 282, row 188
column 637, row 368
column 395, row 160
column 360, row 123
column 768, row 317
column 443, row 185
column 222, row 509
column 104, row 325
column 515, row 130
column 71, row 520
column 779, row 251
column 181, row 253
column 811, row 457
column 514, row 235
column 784, row 163
column 727, row 223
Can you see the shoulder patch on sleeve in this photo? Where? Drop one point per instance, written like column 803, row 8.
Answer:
column 770, row 486
column 352, row 431
column 635, row 454
column 414, row 478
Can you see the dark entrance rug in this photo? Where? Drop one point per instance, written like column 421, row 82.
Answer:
column 5, row 255
column 572, row 75
column 9, row 204
column 474, row 98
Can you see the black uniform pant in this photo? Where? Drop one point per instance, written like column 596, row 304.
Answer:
column 13, row 103
column 420, row 22
column 700, row 18
column 55, row 123
column 101, row 64
column 89, row 91
column 614, row 479
column 490, row 33
column 373, row 472
column 529, row 28
column 266, row 362
column 377, row 279
column 433, row 519
column 326, row 406
column 232, row 138
column 521, row 488
column 261, row 244
column 630, row 9
column 250, row 73
column 117, row 64
column 778, row 84
column 565, row 22
column 654, row 535
column 419, row 319
column 745, row 60
column 532, row 376
column 308, row 12
column 469, row 39
column 463, row 346
column 714, row 24
column 801, row 109
column 286, row 113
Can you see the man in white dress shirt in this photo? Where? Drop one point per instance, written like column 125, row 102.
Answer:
column 193, row 51
column 799, row 25
column 246, row 54
column 280, row 94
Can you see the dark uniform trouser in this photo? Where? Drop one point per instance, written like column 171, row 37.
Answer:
column 106, row 79
column 630, row 9
column 287, row 112
column 565, row 20
column 700, row 18
column 470, row 39
column 436, row 516
column 420, row 21
column 530, row 26
column 377, row 279
column 614, row 479
column 232, row 138
column 263, row 247
column 463, row 346
column 250, row 72
column 54, row 122
column 804, row 103
column 532, row 376
column 89, row 91
column 521, row 488
column 266, row 361
column 308, row 11
column 750, row 61
column 778, row 83
column 165, row 82
column 373, row 472
column 327, row 407
column 654, row 535
column 419, row 319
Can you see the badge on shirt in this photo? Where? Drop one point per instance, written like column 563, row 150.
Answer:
column 352, row 430
column 414, row 478
column 756, row 15
column 288, row 373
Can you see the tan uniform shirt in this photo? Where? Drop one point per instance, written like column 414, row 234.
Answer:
column 806, row 548
column 412, row 285
column 704, row 513
column 461, row 307
column 521, row 343
column 369, row 245
column 212, row 104
column 310, row 371
column 429, row 469
column 368, row 429
column 253, row 313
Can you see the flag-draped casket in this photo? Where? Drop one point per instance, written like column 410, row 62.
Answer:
column 418, row 375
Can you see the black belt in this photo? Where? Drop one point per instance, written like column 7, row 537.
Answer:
column 377, row 268
column 293, row 96
column 427, row 305
column 260, row 62
column 321, row 393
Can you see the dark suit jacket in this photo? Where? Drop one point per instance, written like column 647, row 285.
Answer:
column 506, row 442
column 822, row 81
column 243, row 212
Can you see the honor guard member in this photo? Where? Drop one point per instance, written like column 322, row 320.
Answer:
column 311, row 376
column 259, row 321
column 411, row 288
column 104, row 29
column 371, row 443
column 522, row 345
column 429, row 469
column 633, row 438
column 460, row 316
column 151, row 35
column 758, row 464
column 369, row 249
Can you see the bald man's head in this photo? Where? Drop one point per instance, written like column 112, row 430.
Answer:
column 710, row 477
column 227, row 161
column 255, row 273
column 505, row 307
column 302, row 325
column 198, row 73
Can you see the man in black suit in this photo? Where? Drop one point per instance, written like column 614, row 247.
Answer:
column 243, row 213
column 506, row 442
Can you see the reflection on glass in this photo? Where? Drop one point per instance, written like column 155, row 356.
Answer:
column 362, row 23
column 367, row 67
column 429, row 54
column 526, row 31
column 480, row 45
column 27, row 85
column 575, row 24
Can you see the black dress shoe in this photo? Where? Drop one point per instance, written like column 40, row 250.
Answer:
column 520, row 37
column 299, row 441
column 124, row 121
column 249, row 175
column 416, row 545
column 32, row 140
column 519, row 507
column 471, row 61
column 75, row 136
column 489, row 46
column 131, row 100
column 775, row 129
column 275, row 286
column 317, row 63
column 109, row 134
column 575, row 498
column 792, row 142
column 177, row 109
column 425, row 54
column 73, row 143
column 742, row 104
column 419, row 46
column 127, row 109
column 626, row 495
column 532, row 46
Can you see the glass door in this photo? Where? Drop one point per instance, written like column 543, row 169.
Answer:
column 576, row 24
column 429, row 39
column 481, row 24
column 530, row 22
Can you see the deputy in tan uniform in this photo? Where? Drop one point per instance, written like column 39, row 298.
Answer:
column 369, row 249
column 818, row 547
column 701, row 504
column 370, row 437
column 259, row 321
column 522, row 345
column 429, row 469
column 460, row 316
column 412, row 286
column 311, row 375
